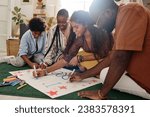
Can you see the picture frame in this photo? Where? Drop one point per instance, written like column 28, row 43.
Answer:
column 26, row 2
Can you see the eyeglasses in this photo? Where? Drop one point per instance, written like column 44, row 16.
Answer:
column 63, row 75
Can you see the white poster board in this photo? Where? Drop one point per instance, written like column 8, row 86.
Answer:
column 56, row 83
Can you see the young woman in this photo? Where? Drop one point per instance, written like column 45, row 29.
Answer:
column 85, row 35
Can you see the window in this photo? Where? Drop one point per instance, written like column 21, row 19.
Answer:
column 74, row 5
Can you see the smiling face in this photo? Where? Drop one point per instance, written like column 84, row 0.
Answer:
column 78, row 29
column 62, row 22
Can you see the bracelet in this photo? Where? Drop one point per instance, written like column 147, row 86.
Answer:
column 80, row 58
column 100, row 95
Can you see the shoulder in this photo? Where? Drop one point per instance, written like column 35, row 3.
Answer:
column 130, row 13
column 26, row 35
column 53, row 28
column 131, row 7
column 28, row 32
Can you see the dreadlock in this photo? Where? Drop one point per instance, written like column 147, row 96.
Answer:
column 56, row 36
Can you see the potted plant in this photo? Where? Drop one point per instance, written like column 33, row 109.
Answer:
column 18, row 18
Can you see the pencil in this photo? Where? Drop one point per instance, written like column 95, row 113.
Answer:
column 21, row 86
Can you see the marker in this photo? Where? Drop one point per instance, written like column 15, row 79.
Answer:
column 21, row 86
column 72, row 72
column 43, row 62
column 35, row 71
column 9, row 79
column 69, row 76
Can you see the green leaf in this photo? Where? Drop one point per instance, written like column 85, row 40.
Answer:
column 14, row 13
column 19, row 9
column 16, row 9
column 17, row 23
column 21, row 21
column 14, row 18
column 18, row 17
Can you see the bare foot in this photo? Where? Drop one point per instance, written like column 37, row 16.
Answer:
column 91, row 95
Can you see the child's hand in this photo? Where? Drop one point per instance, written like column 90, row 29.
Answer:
column 43, row 65
column 34, row 64
column 39, row 73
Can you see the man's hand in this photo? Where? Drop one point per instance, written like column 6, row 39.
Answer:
column 76, row 77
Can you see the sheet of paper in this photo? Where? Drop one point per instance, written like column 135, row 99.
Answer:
column 55, row 84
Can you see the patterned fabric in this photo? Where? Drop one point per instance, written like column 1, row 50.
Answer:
column 56, row 50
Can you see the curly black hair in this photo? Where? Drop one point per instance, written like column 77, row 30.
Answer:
column 36, row 24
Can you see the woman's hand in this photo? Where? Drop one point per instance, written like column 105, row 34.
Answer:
column 74, row 61
column 39, row 73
